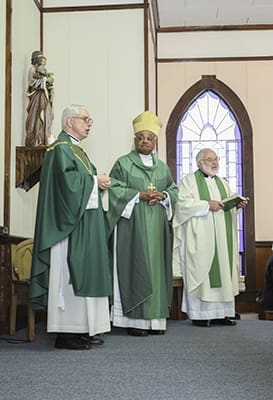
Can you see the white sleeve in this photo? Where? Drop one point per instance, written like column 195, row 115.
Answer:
column 167, row 205
column 93, row 201
column 127, row 212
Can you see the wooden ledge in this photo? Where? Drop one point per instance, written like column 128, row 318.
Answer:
column 28, row 166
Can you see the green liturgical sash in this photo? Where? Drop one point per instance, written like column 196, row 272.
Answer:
column 214, row 274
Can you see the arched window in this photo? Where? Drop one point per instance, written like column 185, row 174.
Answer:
column 211, row 115
column 209, row 123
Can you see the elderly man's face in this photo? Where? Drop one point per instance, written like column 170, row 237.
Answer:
column 145, row 142
column 209, row 164
column 81, row 124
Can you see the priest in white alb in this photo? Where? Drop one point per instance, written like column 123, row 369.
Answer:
column 206, row 244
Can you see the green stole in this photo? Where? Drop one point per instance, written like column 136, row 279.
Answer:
column 214, row 274
column 82, row 156
column 78, row 152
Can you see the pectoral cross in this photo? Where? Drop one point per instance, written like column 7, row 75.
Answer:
column 151, row 186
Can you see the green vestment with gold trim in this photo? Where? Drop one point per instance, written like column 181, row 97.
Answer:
column 66, row 182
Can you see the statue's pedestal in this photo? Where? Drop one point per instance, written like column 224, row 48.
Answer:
column 28, row 165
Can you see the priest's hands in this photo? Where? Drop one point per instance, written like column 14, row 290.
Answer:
column 243, row 203
column 103, row 181
column 215, row 205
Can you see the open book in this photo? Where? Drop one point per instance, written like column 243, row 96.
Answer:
column 232, row 201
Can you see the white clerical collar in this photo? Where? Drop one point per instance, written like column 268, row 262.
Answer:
column 74, row 140
column 147, row 159
column 208, row 176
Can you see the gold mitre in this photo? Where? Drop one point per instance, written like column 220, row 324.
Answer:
column 147, row 121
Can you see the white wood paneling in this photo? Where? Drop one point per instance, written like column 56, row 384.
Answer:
column 99, row 63
column 182, row 13
column 215, row 44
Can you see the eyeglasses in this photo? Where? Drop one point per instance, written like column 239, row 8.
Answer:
column 211, row 159
column 87, row 120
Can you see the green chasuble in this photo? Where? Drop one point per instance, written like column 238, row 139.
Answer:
column 65, row 186
column 144, row 241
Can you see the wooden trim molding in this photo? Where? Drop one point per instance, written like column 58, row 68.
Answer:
column 215, row 59
column 94, row 8
column 266, row 244
column 156, row 19
column 7, row 117
column 146, row 56
column 41, row 28
column 226, row 28
column 38, row 4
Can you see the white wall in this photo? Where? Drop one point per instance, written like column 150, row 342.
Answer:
column 152, row 66
column 215, row 44
column 99, row 63
column 98, row 60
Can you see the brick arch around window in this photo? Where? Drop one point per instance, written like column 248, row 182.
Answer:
column 210, row 82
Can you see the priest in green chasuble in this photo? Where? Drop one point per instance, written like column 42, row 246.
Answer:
column 70, row 269
column 206, row 244
column 142, row 198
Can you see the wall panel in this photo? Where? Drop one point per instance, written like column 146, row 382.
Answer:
column 99, row 63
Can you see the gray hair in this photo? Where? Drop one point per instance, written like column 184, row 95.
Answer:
column 200, row 154
column 71, row 111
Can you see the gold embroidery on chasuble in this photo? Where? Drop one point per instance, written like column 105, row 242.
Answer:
column 52, row 147
column 78, row 152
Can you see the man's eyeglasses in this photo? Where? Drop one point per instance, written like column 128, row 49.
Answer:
column 211, row 159
column 87, row 120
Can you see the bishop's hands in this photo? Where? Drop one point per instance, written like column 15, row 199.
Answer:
column 152, row 196
column 104, row 181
